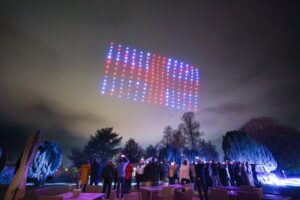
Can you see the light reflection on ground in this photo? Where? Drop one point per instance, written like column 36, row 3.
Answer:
column 272, row 179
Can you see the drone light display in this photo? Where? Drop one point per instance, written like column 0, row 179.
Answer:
column 150, row 78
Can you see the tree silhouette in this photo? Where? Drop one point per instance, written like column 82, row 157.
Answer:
column 104, row 144
column 77, row 156
column 151, row 151
column 133, row 150
column 187, row 140
column 167, row 136
column 190, row 129
column 208, row 151
column 178, row 140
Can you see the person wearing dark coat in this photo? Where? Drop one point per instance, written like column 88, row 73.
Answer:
column 108, row 174
column 115, row 177
column 95, row 172
column 238, row 174
column 254, row 173
column 121, row 167
column 200, row 182
column 223, row 175
column 231, row 168
column 208, row 174
column 153, row 172
column 244, row 175
column 215, row 174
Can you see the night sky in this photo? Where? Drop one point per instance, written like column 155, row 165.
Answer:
column 53, row 57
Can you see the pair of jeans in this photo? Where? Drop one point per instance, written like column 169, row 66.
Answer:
column 171, row 180
column 216, row 181
column 107, row 186
column 94, row 180
column 121, row 185
column 184, row 181
column 84, row 187
column 139, row 179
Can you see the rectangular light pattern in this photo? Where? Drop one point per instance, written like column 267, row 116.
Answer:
column 150, row 78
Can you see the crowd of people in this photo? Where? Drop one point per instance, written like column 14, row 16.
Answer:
column 203, row 175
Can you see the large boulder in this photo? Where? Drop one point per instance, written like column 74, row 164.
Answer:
column 46, row 162
column 239, row 146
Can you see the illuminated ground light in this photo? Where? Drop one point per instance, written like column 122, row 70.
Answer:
column 272, row 179
column 149, row 78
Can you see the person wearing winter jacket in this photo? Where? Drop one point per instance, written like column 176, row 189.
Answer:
column 128, row 177
column 108, row 174
column 184, row 172
column 140, row 173
column 120, row 169
column 84, row 172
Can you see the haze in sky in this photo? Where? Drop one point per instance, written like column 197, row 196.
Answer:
column 53, row 57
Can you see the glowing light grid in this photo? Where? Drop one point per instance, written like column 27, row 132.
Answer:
column 149, row 78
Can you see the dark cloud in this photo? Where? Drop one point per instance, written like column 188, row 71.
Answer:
column 55, row 123
column 14, row 136
column 232, row 108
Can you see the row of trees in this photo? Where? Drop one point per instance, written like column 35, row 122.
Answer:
column 260, row 140
column 185, row 140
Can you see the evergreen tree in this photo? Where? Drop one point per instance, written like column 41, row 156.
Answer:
column 104, row 144
column 77, row 156
column 208, row 151
column 151, row 151
column 133, row 150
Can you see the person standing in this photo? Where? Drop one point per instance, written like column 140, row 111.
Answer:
column 84, row 172
column 223, row 175
column 172, row 170
column 95, row 172
column 215, row 174
column 128, row 177
column 200, row 182
column 244, row 174
column 208, row 174
column 184, row 172
column 249, row 174
column 121, row 166
column 238, row 174
column 115, row 177
column 140, row 173
column 230, row 166
column 108, row 174
column 153, row 172
column 192, row 172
